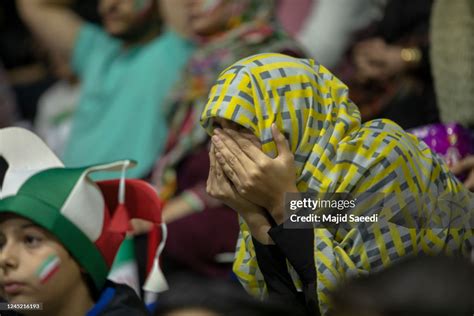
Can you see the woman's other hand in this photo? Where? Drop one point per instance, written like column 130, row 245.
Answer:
column 377, row 60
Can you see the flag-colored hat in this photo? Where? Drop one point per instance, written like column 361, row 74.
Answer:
column 90, row 219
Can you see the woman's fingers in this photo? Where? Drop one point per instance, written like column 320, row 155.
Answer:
column 249, row 148
column 283, row 148
column 228, row 152
column 212, row 169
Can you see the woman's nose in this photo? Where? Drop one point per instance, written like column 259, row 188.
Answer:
column 8, row 256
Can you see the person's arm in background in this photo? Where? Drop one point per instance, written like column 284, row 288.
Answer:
column 466, row 166
column 53, row 22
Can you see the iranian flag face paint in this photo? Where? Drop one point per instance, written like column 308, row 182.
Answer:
column 48, row 268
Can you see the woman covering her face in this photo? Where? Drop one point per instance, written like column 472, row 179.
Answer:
column 421, row 206
column 225, row 31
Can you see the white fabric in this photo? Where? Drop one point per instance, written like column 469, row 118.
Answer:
column 55, row 110
column 26, row 154
column 329, row 28
column 85, row 204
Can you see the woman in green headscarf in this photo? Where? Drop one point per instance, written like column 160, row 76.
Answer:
column 328, row 151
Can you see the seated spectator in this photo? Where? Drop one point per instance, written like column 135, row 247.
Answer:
column 263, row 97
column 330, row 27
column 125, row 69
column 203, row 231
column 56, row 106
column 452, row 35
column 452, row 60
column 417, row 286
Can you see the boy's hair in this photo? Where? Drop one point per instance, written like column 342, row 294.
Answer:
column 94, row 293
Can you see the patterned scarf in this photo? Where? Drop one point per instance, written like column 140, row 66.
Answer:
column 252, row 31
column 334, row 152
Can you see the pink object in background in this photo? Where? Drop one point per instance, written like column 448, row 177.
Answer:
column 451, row 141
column 293, row 13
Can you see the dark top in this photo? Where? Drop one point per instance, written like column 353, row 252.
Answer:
column 296, row 246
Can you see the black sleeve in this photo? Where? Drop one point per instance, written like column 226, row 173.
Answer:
column 297, row 245
column 272, row 264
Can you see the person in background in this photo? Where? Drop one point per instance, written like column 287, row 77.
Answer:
column 281, row 124
column 331, row 26
column 388, row 69
column 452, row 62
column 59, row 231
column 203, row 231
column 435, row 286
column 125, row 69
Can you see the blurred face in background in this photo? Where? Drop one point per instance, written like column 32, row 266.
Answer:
column 128, row 19
column 209, row 17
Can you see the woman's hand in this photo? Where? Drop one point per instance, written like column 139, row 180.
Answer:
column 219, row 187
column 257, row 177
column 466, row 166
column 377, row 60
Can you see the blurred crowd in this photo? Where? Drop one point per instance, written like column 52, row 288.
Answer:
column 102, row 80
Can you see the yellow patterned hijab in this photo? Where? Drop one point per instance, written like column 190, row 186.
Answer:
column 334, row 152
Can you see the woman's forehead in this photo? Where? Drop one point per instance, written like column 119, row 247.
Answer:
column 225, row 123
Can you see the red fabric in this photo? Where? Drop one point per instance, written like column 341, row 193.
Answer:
column 141, row 201
column 120, row 221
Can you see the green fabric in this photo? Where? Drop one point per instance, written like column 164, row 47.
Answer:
column 59, row 181
column 119, row 115
column 73, row 239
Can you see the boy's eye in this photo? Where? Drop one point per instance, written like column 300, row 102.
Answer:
column 32, row 241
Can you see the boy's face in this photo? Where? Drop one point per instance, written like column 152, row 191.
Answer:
column 34, row 266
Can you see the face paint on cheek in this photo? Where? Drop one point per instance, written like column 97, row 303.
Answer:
column 48, row 268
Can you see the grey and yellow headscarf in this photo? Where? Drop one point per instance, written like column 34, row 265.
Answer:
column 334, row 152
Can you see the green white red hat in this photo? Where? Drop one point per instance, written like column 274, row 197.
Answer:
column 89, row 218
